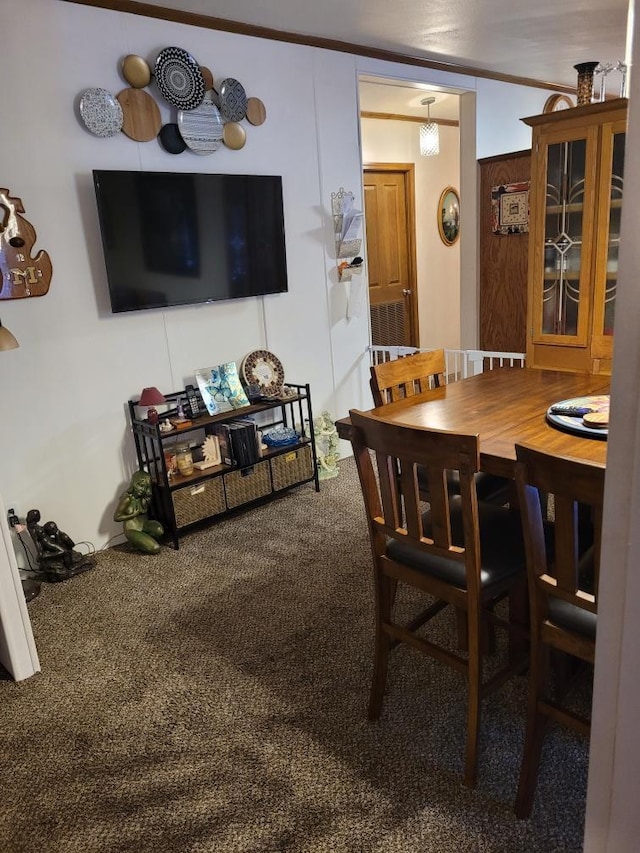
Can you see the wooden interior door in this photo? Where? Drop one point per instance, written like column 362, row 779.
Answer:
column 390, row 226
column 503, row 261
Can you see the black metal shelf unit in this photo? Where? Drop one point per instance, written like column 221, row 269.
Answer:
column 179, row 502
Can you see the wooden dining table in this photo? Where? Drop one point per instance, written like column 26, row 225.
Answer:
column 504, row 407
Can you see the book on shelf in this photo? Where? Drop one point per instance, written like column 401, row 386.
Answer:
column 244, row 442
column 223, row 434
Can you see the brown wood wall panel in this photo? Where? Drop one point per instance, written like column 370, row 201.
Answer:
column 503, row 261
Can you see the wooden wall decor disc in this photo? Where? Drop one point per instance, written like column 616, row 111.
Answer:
column 234, row 135
column 207, row 76
column 141, row 115
column 136, row 71
column 256, row 111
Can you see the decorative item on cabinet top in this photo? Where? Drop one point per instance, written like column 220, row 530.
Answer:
column 206, row 118
column 22, row 274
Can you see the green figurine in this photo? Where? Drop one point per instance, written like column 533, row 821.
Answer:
column 132, row 511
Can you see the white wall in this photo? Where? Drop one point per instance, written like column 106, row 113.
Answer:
column 437, row 265
column 66, row 445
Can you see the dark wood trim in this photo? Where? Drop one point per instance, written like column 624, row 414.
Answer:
column 512, row 155
column 209, row 22
column 445, row 122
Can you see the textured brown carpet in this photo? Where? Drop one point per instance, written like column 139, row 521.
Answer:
column 214, row 699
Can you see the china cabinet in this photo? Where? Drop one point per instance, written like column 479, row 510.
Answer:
column 576, row 204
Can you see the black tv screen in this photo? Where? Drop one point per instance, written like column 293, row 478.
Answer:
column 179, row 239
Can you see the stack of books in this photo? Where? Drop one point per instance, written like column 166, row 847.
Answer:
column 238, row 442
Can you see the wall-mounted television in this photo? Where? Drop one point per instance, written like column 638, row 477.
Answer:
column 178, row 239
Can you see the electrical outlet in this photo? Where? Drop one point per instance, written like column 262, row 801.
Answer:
column 12, row 516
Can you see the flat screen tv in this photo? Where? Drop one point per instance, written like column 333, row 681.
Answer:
column 179, row 239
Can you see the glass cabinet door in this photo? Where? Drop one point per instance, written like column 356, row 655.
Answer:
column 611, row 189
column 567, row 219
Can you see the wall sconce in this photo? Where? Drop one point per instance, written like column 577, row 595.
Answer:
column 429, row 133
column 151, row 397
column 7, row 340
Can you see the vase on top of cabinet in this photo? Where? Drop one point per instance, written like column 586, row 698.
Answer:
column 576, row 204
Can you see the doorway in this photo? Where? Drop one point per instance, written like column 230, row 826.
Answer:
column 389, row 202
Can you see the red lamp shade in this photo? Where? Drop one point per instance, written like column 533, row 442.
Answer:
column 151, row 397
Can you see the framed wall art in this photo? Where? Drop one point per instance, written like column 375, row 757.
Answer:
column 510, row 208
column 449, row 216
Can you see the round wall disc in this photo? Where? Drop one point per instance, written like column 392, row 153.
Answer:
column 171, row 140
column 256, row 111
column 136, row 71
column 207, row 76
column 141, row 115
column 233, row 135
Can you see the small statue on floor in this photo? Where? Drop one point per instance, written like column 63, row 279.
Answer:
column 142, row 532
column 56, row 555
column 327, row 446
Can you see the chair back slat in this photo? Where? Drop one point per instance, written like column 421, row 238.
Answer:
column 408, row 376
column 397, row 510
column 560, row 572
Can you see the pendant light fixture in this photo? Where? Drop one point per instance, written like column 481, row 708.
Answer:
column 429, row 133
column 7, row 340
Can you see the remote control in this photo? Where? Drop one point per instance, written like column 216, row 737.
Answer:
column 570, row 411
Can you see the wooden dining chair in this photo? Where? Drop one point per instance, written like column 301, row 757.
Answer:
column 563, row 589
column 417, row 374
column 463, row 553
column 405, row 377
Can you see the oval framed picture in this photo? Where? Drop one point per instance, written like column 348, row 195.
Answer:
column 449, row 216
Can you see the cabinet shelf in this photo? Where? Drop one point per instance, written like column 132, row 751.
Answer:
column 179, row 502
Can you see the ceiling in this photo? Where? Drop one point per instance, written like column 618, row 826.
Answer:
column 538, row 39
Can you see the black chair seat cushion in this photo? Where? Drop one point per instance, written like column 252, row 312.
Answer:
column 488, row 487
column 501, row 547
column 566, row 615
column 572, row 618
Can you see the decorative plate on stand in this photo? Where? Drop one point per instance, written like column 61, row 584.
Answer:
column 263, row 368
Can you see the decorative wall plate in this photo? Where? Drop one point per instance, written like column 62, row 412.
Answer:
column 263, row 368
column 234, row 135
column 233, row 100
column 136, row 71
column 179, row 78
column 171, row 140
column 201, row 128
column 101, row 112
column 141, row 119
column 256, row 111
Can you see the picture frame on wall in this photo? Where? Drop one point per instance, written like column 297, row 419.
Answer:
column 510, row 208
column 449, row 216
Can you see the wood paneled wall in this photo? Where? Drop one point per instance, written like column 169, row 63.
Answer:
column 503, row 261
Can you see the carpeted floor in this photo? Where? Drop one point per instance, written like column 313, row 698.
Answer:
column 214, row 699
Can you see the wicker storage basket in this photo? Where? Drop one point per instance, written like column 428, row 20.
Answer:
column 292, row 467
column 247, row 484
column 198, row 501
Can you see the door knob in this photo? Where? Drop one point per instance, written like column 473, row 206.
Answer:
column 406, row 291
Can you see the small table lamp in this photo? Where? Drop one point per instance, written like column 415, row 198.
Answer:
column 151, row 397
